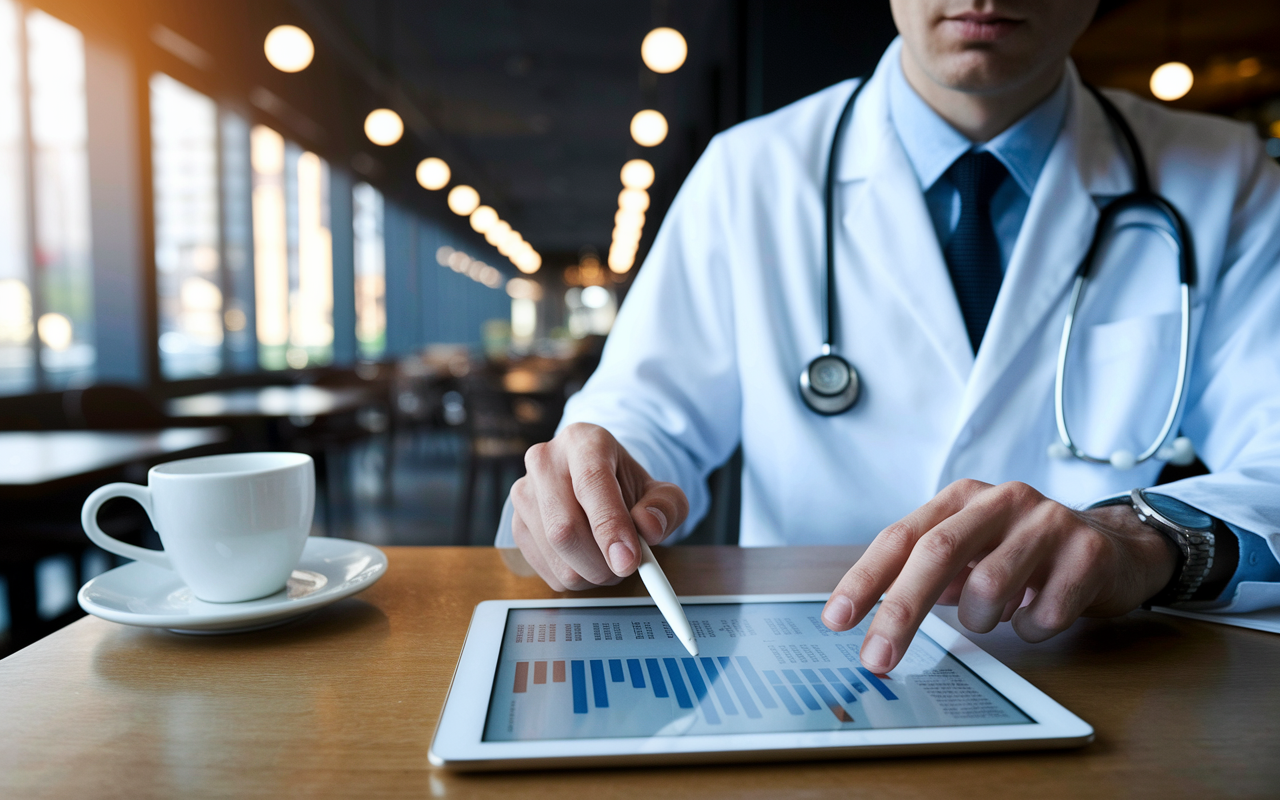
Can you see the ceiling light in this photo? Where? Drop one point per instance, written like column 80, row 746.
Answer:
column 289, row 48
column 383, row 126
column 637, row 174
column 433, row 174
column 633, row 199
column 627, row 237
column 483, row 218
column 629, row 219
column 620, row 262
column 648, row 128
column 664, row 50
column 497, row 232
column 528, row 263
column 1171, row 81
column 463, row 200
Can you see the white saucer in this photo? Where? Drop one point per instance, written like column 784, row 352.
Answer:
column 148, row 596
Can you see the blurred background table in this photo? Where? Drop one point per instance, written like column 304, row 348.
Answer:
column 344, row 703
column 29, row 459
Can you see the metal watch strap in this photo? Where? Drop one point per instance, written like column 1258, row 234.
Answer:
column 1196, row 550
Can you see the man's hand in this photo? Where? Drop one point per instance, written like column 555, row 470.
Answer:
column 582, row 503
column 1003, row 553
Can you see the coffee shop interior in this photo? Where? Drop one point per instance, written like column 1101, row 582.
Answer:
column 390, row 234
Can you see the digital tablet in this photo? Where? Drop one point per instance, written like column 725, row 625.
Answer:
column 600, row 682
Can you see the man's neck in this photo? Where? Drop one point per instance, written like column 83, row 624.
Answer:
column 980, row 117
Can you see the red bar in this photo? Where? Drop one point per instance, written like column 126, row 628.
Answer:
column 522, row 676
column 841, row 714
column 557, row 671
column 539, row 672
column 882, row 676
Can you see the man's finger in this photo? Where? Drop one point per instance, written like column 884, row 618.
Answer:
column 533, row 554
column 565, row 529
column 661, row 510
column 1069, row 590
column 937, row 558
column 598, row 493
column 872, row 574
column 1000, row 579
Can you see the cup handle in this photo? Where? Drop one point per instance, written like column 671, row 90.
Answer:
column 89, row 520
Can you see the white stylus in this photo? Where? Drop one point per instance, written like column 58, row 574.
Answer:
column 655, row 580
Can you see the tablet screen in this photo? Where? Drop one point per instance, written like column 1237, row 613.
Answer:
column 618, row 671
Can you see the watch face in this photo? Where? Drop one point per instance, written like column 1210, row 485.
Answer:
column 1179, row 512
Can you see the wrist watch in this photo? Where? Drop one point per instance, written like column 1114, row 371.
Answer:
column 1193, row 535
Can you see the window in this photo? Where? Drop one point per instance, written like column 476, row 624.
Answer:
column 293, row 253
column 371, row 272
column 184, row 158
column 45, row 270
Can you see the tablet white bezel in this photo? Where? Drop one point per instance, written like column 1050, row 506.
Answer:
column 458, row 741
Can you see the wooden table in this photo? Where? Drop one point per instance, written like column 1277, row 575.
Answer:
column 31, row 458
column 344, row 704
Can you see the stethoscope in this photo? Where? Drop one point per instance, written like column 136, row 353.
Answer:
column 830, row 385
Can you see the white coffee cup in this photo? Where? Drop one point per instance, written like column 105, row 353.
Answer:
column 233, row 527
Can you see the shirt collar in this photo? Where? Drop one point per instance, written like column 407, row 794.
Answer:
column 932, row 145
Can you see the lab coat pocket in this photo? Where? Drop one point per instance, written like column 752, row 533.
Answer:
column 1120, row 380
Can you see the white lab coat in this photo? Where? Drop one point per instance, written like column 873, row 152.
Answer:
column 726, row 312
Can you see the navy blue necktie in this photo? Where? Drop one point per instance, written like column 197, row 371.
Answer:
column 973, row 254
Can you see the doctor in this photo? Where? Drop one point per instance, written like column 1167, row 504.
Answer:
column 967, row 185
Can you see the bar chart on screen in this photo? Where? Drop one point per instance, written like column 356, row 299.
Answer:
column 617, row 672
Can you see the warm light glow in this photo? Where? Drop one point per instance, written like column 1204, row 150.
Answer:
column 497, row 232
column 1171, row 81
column 383, row 126
column 664, row 50
column 648, row 128
column 528, row 263
column 627, row 238
column 433, row 174
column 637, row 174
column 626, row 220
column 1275, row 129
column 55, row 331
column 633, row 199
column 621, row 262
column 463, row 200
column 1248, row 67
column 289, row 48
column 483, row 218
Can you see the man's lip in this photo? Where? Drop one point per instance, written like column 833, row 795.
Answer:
column 982, row 27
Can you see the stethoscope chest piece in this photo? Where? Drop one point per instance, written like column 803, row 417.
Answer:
column 830, row 385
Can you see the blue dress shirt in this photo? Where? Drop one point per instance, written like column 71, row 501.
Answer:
column 932, row 146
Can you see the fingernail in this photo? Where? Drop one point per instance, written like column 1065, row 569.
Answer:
column 839, row 612
column 876, row 651
column 659, row 516
column 621, row 556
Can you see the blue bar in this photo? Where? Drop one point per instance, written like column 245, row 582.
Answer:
column 773, row 677
column 615, row 670
column 655, row 677
column 806, row 696
column 637, row 674
column 597, row 683
column 849, row 697
column 761, row 690
column 677, row 683
column 739, row 688
column 825, row 694
column 790, row 674
column 878, row 684
column 579, row 677
column 786, row 698
column 853, row 679
column 700, row 689
column 722, row 692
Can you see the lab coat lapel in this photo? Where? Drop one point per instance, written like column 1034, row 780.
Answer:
column 1055, row 235
column 889, row 225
